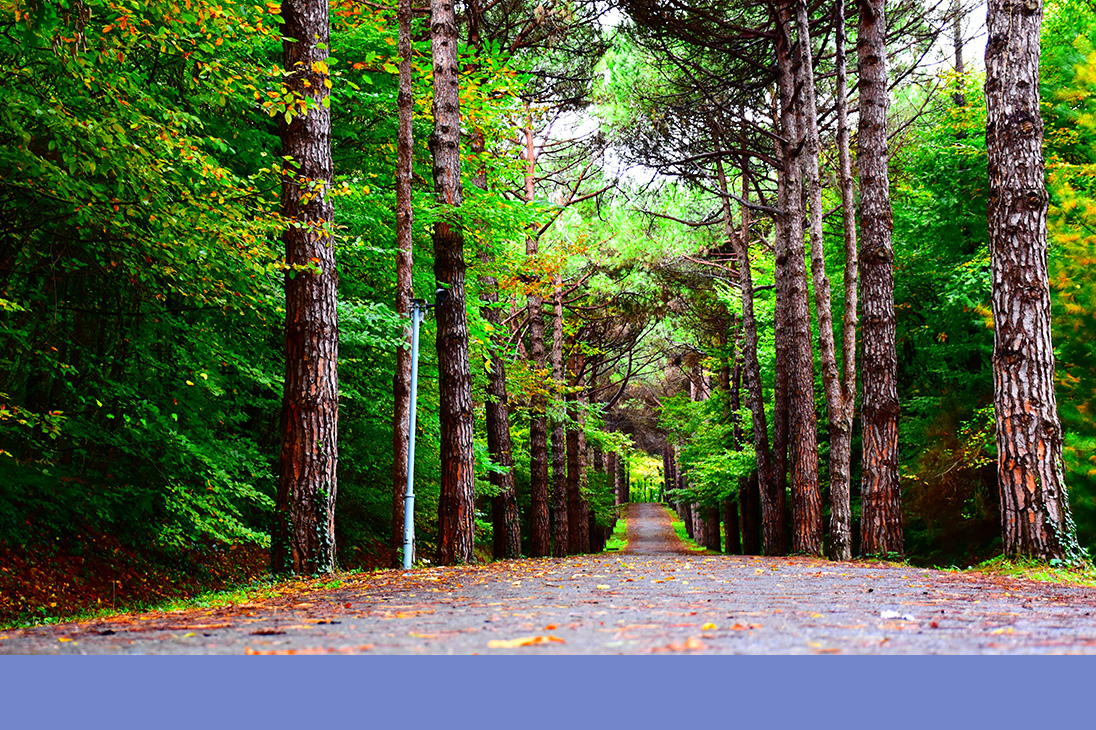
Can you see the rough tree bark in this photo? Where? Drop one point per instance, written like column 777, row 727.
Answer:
column 578, row 520
column 880, row 498
column 959, row 98
column 401, row 382
column 613, row 472
column 780, row 372
column 802, row 424
column 303, row 537
column 772, row 502
column 506, row 525
column 841, row 422
column 1035, row 512
column 840, row 431
column 560, row 528
column 539, row 487
column 456, row 506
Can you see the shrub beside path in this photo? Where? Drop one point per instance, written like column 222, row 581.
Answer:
column 655, row 596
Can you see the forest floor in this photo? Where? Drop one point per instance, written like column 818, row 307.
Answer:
column 655, row 596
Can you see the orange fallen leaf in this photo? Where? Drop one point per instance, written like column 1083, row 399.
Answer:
column 691, row 644
column 550, row 627
column 522, row 641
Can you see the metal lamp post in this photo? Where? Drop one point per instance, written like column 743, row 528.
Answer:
column 419, row 308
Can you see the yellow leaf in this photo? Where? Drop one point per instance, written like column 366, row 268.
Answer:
column 709, row 627
column 602, row 587
column 523, row 641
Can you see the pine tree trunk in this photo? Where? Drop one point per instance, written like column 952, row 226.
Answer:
column 303, row 539
column 456, row 505
column 539, row 486
column 1035, row 512
column 506, row 539
column 506, row 525
column 733, row 542
column 841, row 422
column 831, row 383
column 802, row 425
column 710, row 519
column 880, row 498
column 560, row 532
column 959, row 98
column 613, row 473
column 401, row 382
column 668, row 477
column 772, row 502
column 578, row 520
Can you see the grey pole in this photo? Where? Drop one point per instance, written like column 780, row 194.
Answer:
column 418, row 311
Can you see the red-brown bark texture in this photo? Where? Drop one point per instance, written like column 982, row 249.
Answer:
column 802, row 423
column 303, row 537
column 401, row 381
column 881, row 520
column 1035, row 513
column 456, row 507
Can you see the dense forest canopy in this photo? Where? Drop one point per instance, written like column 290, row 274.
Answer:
column 677, row 221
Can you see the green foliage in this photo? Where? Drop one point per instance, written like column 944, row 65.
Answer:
column 1069, row 108
column 705, row 432
column 619, row 539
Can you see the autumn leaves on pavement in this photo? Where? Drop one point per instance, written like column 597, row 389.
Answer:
column 641, row 601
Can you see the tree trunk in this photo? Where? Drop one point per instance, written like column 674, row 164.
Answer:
column 710, row 517
column 506, row 525
column 577, row 512
column 841, row 421
column 1035, row 512
column 752, row 526
column 613, row 472
column 959, row 98
column 456, row 505
column 668, row 477
column 303, row 539
column 401, row 381
column 506, row 542
column 733, row 541
column 831, row 383
column 560, row 532
column 772, row 502
column 880, row 498
column 539, row 487
column 802, row 425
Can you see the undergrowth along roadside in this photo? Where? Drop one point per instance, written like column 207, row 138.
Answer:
column 1081, row 575
column 679, row 528
column 619, row 539
column 260, row 589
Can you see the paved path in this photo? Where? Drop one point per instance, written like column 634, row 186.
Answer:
column 654, row 597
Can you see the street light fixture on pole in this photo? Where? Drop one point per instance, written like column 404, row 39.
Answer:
column 419, row 308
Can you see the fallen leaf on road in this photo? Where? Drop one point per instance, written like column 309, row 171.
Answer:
column 693, row 643
column 522, row 641
column 310, row 650
column 709, row 627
